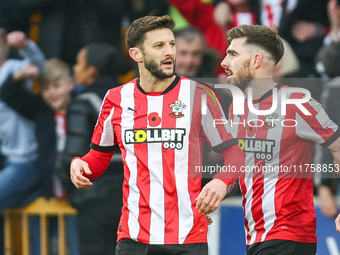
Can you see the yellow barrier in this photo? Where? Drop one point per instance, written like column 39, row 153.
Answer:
column 40, row 207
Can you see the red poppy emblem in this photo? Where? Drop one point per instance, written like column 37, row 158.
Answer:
column 154, row 119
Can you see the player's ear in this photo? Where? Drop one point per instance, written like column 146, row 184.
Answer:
column 136, row 54
column 256, row 60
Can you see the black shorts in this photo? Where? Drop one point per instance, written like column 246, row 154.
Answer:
column 281, row 247
column 130, row 247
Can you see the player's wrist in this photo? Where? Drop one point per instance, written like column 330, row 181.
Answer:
column 75, row 159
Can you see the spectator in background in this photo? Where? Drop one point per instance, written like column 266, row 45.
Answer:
column 19, row 179
column 48, row 110
column 97, row 68
column 200, row 15
column 327, row 62
column 215, row 19
column 327, row 57
column 193, row 59
column 232, row 13
column 304, row 25
column 270, row 12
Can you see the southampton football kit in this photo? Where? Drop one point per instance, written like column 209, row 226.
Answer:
column 161, row 138
column 277, row 198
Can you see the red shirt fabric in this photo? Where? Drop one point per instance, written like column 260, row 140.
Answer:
column 279, row 205
column 161, row 140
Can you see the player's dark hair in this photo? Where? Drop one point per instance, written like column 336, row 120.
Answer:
column 135, row 35
column 260, row 36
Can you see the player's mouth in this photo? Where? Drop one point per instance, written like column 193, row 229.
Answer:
column 229, row 73
column 168, row 62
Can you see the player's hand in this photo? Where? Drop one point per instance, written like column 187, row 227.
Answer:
column 327, row 202
column 337, row 223
column 336, row 161
column 77, row 170
column 208, row 219
column 211, row 196
column 27, row 72
column 17, row 39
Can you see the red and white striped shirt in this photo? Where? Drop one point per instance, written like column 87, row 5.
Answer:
column 241, row 18
column 279, row 204
column 161, row 137
column 271, row 13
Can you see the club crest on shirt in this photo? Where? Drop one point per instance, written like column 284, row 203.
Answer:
column 270, row 118
column 177, row 109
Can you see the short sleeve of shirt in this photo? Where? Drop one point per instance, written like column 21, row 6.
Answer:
column 317, row 127
column 214, row 122
column 103, row 138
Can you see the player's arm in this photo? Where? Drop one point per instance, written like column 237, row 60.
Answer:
column 224, row 183
column 91, row 166
column 337, row 223
column 78, row 170
column 335, row 150
column 221, row 140
column 318, row 127
column 97, row 160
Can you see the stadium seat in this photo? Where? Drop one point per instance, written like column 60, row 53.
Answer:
column 40, row 207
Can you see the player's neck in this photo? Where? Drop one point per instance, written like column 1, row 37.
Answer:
column 150, row 83
column 260, row 87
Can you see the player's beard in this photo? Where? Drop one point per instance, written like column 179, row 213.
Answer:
column 155, row 70
column 243, row 77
